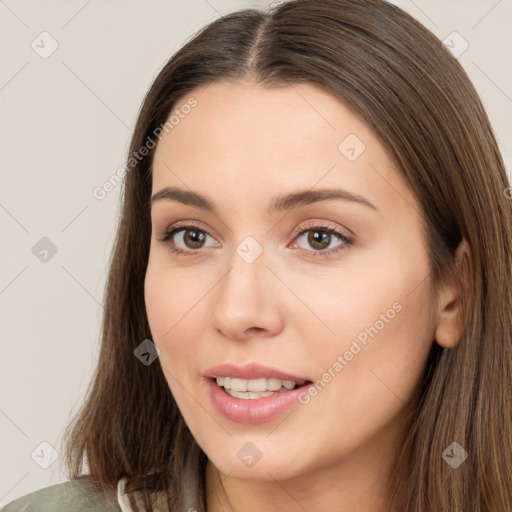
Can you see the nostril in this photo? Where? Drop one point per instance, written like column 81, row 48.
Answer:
column 255, row 330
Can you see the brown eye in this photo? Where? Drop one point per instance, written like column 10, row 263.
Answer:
column 185, row 240
column 319, row 239
column 193, row 238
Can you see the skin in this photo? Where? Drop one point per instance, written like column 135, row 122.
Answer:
column 291, row 309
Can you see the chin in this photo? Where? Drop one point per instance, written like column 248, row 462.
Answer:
column 267, row 466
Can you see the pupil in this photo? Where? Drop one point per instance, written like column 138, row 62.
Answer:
column 317, row 237
column 195, row 237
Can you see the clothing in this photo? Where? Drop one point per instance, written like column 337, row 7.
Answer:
column 133, row 502
column 78, row 496
column 122, row 498
column 70, row 496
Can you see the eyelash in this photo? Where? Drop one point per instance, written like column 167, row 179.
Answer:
column 168, row 233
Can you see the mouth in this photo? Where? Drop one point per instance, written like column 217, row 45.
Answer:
column 257, row 389
column 252, row 389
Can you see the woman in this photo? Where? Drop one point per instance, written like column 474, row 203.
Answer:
column 306, row 307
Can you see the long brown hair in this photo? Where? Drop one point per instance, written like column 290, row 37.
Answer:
column 416, row 96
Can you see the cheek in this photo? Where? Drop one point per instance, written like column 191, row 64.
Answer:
column 375, row 316
column 175, row 313
column 369, row 370
column 346, row 306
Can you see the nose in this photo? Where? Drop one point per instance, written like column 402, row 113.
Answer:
column 246, row 300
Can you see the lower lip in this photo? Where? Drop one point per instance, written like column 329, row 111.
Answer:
column 253, row 410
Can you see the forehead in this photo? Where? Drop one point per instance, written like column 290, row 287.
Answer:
column 247, row 138
column 232, row 113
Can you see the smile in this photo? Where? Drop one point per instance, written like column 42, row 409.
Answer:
column 255, row 388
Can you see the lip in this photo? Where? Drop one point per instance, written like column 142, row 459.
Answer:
column 251, row 371
column 251, row 411
column 258, row 410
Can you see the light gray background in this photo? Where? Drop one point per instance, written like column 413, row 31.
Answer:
column 65, row 127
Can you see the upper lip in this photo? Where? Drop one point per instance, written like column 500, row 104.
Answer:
column 251, row 371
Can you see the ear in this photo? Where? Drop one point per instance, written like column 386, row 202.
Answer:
column 450, row 318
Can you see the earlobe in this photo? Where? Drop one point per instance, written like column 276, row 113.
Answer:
column 450, row 317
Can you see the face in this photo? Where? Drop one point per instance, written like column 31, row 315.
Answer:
column 330, row 287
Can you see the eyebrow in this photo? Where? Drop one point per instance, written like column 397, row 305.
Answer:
column 279, row 203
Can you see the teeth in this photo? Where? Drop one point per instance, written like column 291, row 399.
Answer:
column 289, row 384
column 272, row 384
column 248, row 395
column 239, row 385
column 255, row 385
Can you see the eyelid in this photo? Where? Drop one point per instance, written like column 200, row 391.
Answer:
column 183, row 224
column 170, row 231
column 346, row 239
column 326, row 225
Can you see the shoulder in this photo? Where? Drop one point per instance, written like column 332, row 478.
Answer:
column 70, row 496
